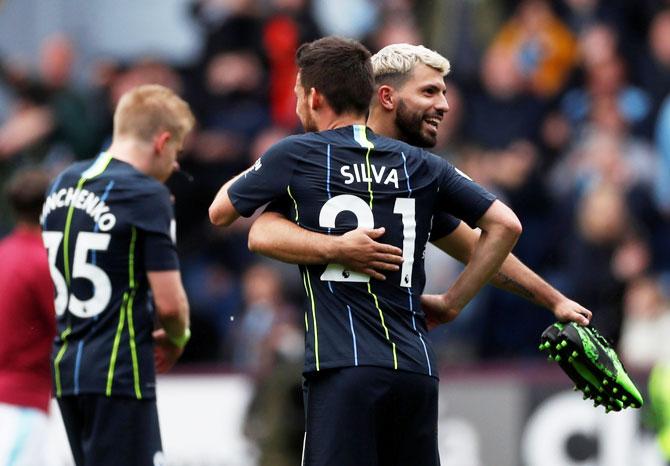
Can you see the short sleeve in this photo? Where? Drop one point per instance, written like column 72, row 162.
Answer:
column 443, row 225
column 153, row 216
column 458, row 195
column 160, row 253
column 280, row 206
column 267, row 180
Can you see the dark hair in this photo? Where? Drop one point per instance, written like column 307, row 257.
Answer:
column 26, row 191
column 341, row 70
column 395, row 79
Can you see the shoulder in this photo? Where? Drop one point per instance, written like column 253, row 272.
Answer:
column 74, row 171
column 384, row 143
column 128, row 178
column 284, row 154
column 293, row 142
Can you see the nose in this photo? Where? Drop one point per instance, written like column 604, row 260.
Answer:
column 442, row 105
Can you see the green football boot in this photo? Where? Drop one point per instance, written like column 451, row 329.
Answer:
column 591, row 362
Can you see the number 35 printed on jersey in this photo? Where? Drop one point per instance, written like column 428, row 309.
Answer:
column 102, row 287
column 365, row 219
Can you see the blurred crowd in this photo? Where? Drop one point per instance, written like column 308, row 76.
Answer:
column 560, row 108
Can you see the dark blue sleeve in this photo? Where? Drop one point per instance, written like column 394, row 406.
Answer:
column 153, row 214
column 281, row 206
column 443, row 225
column 268, row 179
column 458, row 195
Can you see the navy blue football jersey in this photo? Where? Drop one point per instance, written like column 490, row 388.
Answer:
column 341, row 179
column 443, row 225
column 105, row 225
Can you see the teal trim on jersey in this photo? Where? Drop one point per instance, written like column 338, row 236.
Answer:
column 129, row 312
column 362, row 139
column 316, row 329
column 295, row 204
column 59, row 357
column 99, row 166
column 115, row 347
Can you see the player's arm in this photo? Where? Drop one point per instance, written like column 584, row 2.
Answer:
column 514, row 276
column 275, row 236
column 221, row 211
column 500, row 230
column 268, row 179
column 172, row 310
column 152, row 216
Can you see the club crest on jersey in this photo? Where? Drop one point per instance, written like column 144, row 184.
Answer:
column 361, row 175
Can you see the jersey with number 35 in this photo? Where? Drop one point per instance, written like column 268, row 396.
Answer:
column 105, row 225
column 338, row 180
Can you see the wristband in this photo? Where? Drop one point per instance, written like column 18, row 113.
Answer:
column 181, row 341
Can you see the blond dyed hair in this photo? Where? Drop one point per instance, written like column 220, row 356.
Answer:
column 396, row 61
column 148, row 109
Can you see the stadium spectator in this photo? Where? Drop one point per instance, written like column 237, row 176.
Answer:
column 109, row 230
column 27, row 326
column 55, row 117
column 498, row 108
column 269, row 345
column 646, row 324
column 652, row 66
column 541, row 48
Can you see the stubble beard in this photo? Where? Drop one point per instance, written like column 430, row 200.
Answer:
column 409, row 125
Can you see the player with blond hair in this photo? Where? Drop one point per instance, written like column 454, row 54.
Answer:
column 409, row 104
column 108, row 225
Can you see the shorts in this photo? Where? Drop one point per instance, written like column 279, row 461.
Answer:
column 370, row 416
column 23, row 435
column 112, row 431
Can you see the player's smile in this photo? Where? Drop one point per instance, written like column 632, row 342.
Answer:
column 432, row 122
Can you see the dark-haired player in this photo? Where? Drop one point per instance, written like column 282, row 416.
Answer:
column 371, row 382
column 409, row 104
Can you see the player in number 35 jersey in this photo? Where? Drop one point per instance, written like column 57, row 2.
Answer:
column 121, row 308
column 338, row 180
column 104, row 224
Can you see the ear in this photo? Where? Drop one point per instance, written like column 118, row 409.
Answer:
column 386, row 97
column 161, row 140
column 315, row 99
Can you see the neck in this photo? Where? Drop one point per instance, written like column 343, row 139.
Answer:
column 27, row 226
column 382, row 123
column 132, row 151
column 340, row 121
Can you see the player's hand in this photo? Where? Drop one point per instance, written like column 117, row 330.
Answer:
column 166, row 353
column 358, row 250
column 438, row 310
column 570, row 311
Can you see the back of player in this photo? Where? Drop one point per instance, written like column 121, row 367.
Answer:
column 347, row 178
column 103, row 224
column 370, row 380
column 96, row 221
column 108, row 226
column 362, row 332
